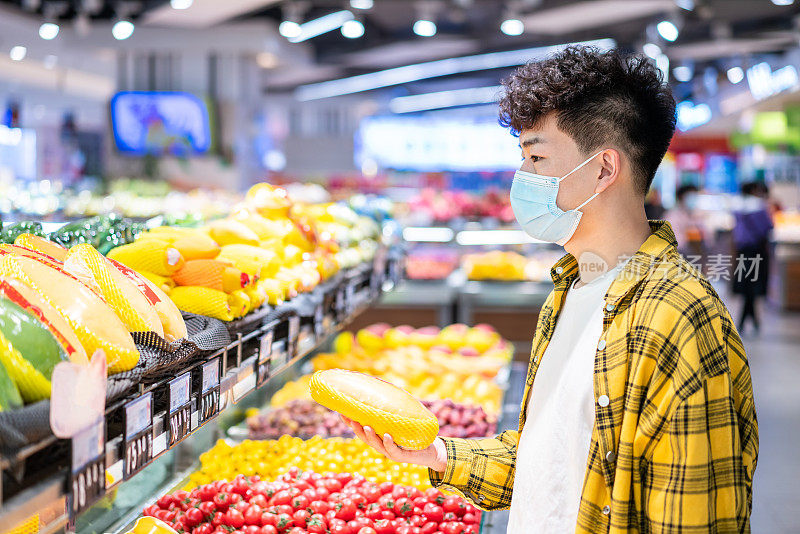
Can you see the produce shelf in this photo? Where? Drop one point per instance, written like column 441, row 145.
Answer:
column 144, row 426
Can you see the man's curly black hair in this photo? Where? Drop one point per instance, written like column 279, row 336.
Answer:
column 600, row 99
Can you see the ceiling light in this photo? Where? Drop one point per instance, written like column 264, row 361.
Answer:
column 122, row 29
column 512, row 27
column 425, row 28
column 50, row 61
column 352, row 29
column 289, row 29
column 783, row 2
column 325, row 24
column 667, row 30
column 735, row 75
column 688, row 5
column 181, row 4
column 651, row 50
column 682, row 73
column 18, row 53
column 445, row 99
column 361, row 4
column 433, row 69
column 48, row 31
column 662, row 62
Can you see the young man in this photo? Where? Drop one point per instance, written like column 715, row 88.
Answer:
column 638, row 411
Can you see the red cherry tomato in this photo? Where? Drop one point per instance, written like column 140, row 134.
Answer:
column 205, row 528
column 251, row 529
column 282, row 497
column 259, row 500
column 429, row 528
column 300, row 502
column 164, row 501
column 284, row 522
column 285, row 509
column 301, row 517
column 367, row 530
column 269, row 529
column 433, row 512
column 319, row 507
column 268, row 519
column 346, row 509
column 434, row 495
column 194, row 516
column 383, row 526
column 403, row 507
column 150, row 510
column 234, row 518
column 218, row 520
column 252, row 515
column 455, row 504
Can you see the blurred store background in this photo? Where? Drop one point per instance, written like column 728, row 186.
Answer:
column 174, row 108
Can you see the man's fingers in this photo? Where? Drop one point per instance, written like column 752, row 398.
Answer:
column 374, row 441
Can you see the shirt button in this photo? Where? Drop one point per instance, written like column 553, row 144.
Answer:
column 559, row 270
column 603, row 400
column 610, row 456
column 606, row 510
column 610, row 307
column 602, row 344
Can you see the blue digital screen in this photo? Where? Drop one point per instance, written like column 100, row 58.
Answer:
column 160, row 123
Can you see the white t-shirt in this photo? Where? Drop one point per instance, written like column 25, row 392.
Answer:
column 553, row 449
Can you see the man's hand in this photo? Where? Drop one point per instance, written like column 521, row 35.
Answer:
column 433, row 457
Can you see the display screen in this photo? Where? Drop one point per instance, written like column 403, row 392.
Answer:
column 425, row 144
column 160, row 123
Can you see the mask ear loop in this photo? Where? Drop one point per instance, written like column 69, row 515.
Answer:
column 587, row 201
column 581, row 165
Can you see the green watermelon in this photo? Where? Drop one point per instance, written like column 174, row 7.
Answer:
column 9, row 394
column 28, row 350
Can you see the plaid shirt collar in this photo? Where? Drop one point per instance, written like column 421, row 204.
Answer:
column 661, row 241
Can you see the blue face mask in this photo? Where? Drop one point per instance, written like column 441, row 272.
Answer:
column 533, row 199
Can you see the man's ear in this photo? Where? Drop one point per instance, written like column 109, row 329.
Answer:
column 609, row 169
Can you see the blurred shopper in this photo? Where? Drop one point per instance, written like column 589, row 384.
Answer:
column 685, row 223
column 751, row 241
column 652, row 206
column 638, row 411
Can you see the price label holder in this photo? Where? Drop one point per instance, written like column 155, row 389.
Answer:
column 88, row 473
column 138, row 434
column 341, row 311
column 180, row 408
column 350, row 297
column 208, row 398
column 319, row 322
column 264, row 357
column 292, row 338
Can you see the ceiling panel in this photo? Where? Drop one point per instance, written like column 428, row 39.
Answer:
column 204, row 13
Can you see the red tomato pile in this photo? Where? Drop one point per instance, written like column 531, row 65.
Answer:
column 298, row 503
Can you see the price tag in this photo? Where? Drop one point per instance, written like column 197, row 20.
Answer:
column 350, row 298
column 208, row 403
column 294, row 333
column 138, row 434
column 340, row 303
column 180, row 408
column 319, row 322
column 88, row 474
column 264, row 357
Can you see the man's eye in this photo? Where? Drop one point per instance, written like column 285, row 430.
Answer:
column 536, row 159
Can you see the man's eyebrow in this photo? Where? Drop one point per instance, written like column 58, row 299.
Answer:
column 531, row 141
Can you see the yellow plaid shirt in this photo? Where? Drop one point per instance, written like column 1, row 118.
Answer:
column 675, row 448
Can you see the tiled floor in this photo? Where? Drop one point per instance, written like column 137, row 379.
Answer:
column 775, row 367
